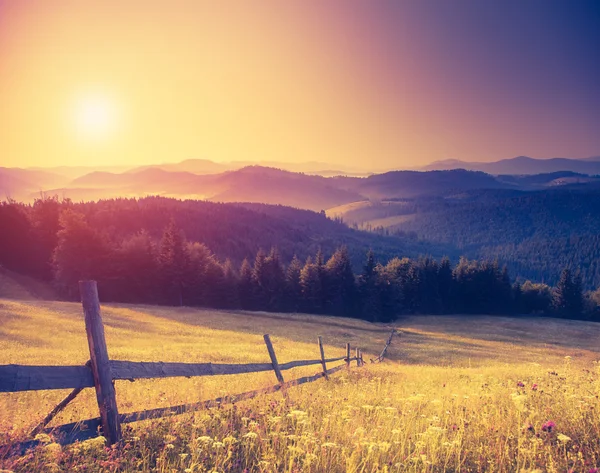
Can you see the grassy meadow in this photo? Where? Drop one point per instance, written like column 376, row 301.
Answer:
column 485, row 394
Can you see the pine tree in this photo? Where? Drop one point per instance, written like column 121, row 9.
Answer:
column 274, row 284
column 568, row 297
column 260, row 277
column 310, row 282
column 173, row 261
column 246, row 287
column 80, row 254
column 369, row 290
column 136, row 270
column 293, row 289
column 445, row 284
column 342, row 292
column 231, row 280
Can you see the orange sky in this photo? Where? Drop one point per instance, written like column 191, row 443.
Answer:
column 343, row 82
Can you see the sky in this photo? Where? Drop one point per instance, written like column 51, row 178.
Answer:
column 374, row 84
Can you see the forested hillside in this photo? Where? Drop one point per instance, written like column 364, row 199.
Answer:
column 231, row 231
column 260, row 257
column 536, row 234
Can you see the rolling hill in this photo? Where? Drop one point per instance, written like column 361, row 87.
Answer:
column 535, row 233
column 250, row 184
column 238, row 231
column 522, row 165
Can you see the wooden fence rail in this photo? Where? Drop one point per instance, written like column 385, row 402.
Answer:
column 15, row 378
column 100, row 372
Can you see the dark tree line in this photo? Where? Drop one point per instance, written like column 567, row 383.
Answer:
column 55, row 241
column 536, row 234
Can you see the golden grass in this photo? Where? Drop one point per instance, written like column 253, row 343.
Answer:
column 457, row 393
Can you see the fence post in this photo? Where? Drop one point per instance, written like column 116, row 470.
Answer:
column 323, row 358
column 357, row 356
column 347, row 355
column 273, row 358
column 105, row 389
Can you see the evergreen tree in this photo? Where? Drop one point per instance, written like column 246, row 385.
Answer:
column 517, row 298
column 568, row 297
column 204, row 278
column 342, row 291
column 231, row 280
column 445, row 285
column 274, row 284
column 429, row 300
column 293, row 289
column 368, row 290
column 44, row 215
column 310, row 282
column 15, row 238
column 246, row 288
column 80, row 254
column 260, row 276
column 136, row 270
column 174, row 263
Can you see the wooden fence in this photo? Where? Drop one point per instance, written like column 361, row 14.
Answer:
column 100, row 373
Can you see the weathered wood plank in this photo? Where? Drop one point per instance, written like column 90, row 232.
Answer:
column 145, row 370
column 61, row 405
column 183, row 408
column 103, row 381
column 387, row 344
column 348, row 355
column 273, row 357
column 16, row 378
column 323, row 362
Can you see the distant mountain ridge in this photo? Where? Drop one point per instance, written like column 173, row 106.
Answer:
column 266, row 185
column 521, row 165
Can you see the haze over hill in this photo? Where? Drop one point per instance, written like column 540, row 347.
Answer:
column 522, row 165
column 321, row 190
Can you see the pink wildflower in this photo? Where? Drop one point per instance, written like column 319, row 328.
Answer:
column 549, row 426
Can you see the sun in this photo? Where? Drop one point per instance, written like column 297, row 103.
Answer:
column 95, row 117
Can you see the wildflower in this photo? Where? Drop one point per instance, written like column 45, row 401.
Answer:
column 534, row 387
column 563, row 438
column 169, row 446
column 250, row 435
column 43, row 438
column 329, row 445
column 52, row 449
column 520, row 384
column 548, row 426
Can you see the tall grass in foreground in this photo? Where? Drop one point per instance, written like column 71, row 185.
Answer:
column 491, row 413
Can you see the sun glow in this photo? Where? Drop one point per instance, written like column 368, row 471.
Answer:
column 95, row 117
